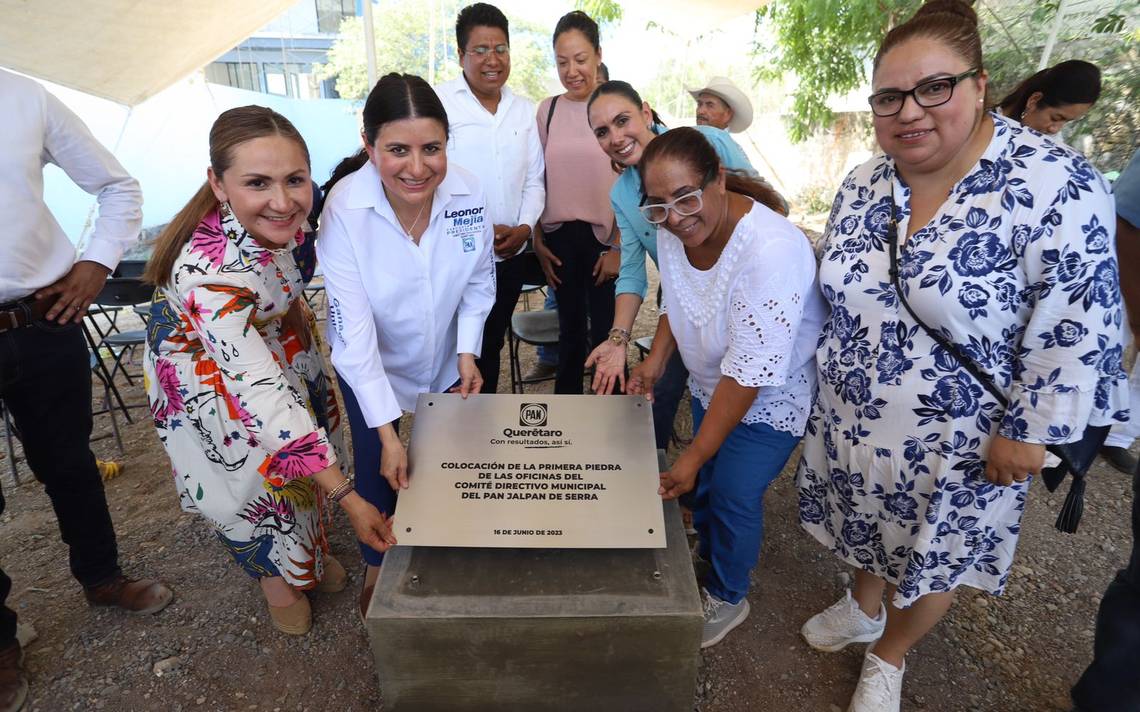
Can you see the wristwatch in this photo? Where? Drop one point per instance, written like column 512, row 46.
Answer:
column 619, row 336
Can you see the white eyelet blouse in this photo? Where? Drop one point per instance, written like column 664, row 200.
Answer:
column 754, row 316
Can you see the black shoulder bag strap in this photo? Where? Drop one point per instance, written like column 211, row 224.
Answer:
column 549, row 118
column 550, row 115
column 1076, row 457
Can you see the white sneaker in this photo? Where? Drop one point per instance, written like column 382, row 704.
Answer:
column 843, row 624
column 880, row 686
column 720, row 618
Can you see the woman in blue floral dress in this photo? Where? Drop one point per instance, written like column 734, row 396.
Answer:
column 912, row 473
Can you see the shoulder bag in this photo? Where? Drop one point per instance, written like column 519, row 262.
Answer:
column 1076, row 457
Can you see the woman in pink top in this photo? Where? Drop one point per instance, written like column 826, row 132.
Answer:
column 578, row 244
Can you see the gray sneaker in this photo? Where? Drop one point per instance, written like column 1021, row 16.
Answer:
column 720, row 618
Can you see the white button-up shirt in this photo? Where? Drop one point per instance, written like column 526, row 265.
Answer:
column 37, row 129
column 502, row 149
column 400, row 313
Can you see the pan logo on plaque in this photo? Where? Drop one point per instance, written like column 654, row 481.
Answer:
column 532, row 415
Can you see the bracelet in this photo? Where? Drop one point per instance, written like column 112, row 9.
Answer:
column 619, row 336
column 340, row 491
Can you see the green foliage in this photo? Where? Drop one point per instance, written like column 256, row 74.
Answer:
column 1013, row 37
column 826, row 46
column 603, row 11
column 403, row 39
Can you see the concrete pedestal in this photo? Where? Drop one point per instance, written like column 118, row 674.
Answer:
column 538, row 629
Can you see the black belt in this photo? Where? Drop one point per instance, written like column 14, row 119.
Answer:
column 23, row 312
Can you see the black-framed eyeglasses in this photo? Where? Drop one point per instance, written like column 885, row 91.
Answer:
column 482, row 50
column 928, row 94
column 686, row 205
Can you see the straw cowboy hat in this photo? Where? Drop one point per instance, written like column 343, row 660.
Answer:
column 737, row 101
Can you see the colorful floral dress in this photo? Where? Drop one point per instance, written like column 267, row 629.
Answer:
column 246, row 414
column 1018, row 268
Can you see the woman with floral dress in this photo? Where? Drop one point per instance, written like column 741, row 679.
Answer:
column 237, row 388
column 912, row 473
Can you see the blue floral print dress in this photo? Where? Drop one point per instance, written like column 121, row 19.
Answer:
column 1018, row 268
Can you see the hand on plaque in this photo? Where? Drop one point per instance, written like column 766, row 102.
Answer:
column 680, row 478
column 393, row 458
column 370, row 524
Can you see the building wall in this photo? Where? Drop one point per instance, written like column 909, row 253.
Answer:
column 279, row 58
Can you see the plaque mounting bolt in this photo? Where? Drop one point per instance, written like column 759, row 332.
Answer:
column 415, row 580
column 656, row 575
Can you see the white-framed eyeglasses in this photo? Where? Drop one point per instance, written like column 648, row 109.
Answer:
column 686, row 205
column 483, row 50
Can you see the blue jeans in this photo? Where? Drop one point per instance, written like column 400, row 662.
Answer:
column 667, row 394
column 370, row 484
column 728, row 502
column 549, row 354
column 1110, row 683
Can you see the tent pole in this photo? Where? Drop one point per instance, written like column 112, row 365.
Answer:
column 1048, row 51
column 370, row 43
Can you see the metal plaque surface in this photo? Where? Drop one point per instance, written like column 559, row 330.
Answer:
column 552, row 471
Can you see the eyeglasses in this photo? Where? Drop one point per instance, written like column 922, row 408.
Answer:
column 928, row 94
column 686, row 205
column 482, row 50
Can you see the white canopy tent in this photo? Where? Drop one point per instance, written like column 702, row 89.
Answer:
column 124, row 50
column 129, row 50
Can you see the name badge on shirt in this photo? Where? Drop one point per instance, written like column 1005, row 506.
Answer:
column 465, row 224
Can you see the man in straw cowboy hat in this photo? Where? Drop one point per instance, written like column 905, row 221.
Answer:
column 720, row 103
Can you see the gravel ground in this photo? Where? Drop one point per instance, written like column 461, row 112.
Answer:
column 214, row 649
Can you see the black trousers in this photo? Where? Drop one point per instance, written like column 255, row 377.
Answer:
column 45, row 382
column 1112, row 682
column 585, row 311
column 510, row 276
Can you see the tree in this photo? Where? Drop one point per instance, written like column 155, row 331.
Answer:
column 603, row 11
column 827, row 46
column 405, row 32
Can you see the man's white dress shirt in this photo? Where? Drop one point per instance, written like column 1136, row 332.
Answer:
column 400, row 313
column 37, row 129
column 502, row 150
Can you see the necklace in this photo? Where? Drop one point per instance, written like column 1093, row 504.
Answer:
column 408, row 230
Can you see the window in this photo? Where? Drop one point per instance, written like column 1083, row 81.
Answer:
column 295, row 80
column 243, row 75
column 331, row 12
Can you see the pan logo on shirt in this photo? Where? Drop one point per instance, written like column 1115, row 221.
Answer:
column 465, row 224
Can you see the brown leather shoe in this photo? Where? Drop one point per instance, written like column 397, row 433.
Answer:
column 365, row 600
column 13, row 679
column 141, row 596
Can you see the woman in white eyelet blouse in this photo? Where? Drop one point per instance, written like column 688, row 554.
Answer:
column 743, row 308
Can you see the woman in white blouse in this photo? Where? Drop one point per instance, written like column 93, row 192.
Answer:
column 743, row 307
column 405, row 245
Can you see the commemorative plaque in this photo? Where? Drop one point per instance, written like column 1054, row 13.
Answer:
column 531, row 471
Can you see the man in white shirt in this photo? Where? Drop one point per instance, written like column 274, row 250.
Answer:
column 45, row 379
column 494, row 135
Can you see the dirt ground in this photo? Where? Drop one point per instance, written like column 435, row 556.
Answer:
column 214, row 649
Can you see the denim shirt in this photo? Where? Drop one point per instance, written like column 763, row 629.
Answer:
column 638, row 235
